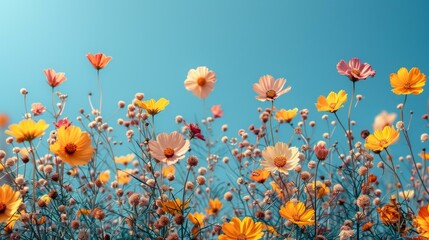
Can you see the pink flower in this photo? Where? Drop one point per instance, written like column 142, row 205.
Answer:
column 54, row 78
column 200, row 81
column 355, row 70
column 217, row 111
column 321, row 151
column 194, row 131
column 37, row 108
column 268, row 89
column 383, row 119
column 63, row 122
column 169, row 148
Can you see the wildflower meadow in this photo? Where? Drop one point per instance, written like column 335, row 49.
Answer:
column 129, row 171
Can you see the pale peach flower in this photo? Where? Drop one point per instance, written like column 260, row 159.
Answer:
column 268, row 89
column 169, row 148
column 280, row 158
column 54, row 78
column 383, row 119
column 200, row 81
column 37, row 109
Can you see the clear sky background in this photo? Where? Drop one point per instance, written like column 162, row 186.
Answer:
column 155, row 43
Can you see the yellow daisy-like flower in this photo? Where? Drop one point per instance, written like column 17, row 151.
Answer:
column 125, row 159
column 280, row 158
column 245, row 229
column 197, row 218
column 296, row 212
column 168, row 170
column 11, row 222
column 381, row 139
column 321, row 189
column 405, row 82
column 277, row 189
column 104, row 176
column 9, row 202
column 124, row 176
column 214, row 206
column 153, row 107
column 174, row 207
column 332, row 103
column 27, row 130
column 286, row 115
column 73, row 146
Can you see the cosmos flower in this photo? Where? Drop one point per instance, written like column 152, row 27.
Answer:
column 268, row 89
column 168, row 171
column 174, row 207
column 153, row 107
column 27, row 130
column 63, row 123
column 280, row 158
column 104, row 177
column 260, row 175
column 99, row 60
column 331, row 103
column 124, row 176
column 381, row 139
column 37, row 109
column 214, row 206
column 73, row 146
column 217, row 111
column 200, row 81
column 423, row 221
column 296, row 212
column 389, row 213
column 355, row 70
column 54, row 78
column 194, row 131
column 9, row 202
column 169, row 148
column 242, row 229
column 286, row 115
column 405, row 82
column 317, row 186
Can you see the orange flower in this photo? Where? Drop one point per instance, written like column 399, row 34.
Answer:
column 9, row 202
column 83, row 211
column 321, row 189
column 54, row 78
column 104, row 177
column 174, row 207
column 238, row 229
column 214, row 206
column 296, row 212
column 4, row 120
column 389, row 213
column 286, row 115
column 260, row 175
column 98, row 60
column 405, row 82
column 424, row 155
column 124, row 176
column 332, row 102
column 277, row 189
column 423, row 221
column 381, row 139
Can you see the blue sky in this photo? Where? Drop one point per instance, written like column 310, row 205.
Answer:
column 155, row 43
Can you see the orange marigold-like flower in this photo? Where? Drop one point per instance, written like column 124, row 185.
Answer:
column 296, row 212
column 260, row 175
column 405, row 82
column 99, row 60
column 214, row 206
column 381, row 139
column 389, row 213
column 27, row 130
column 242, row 229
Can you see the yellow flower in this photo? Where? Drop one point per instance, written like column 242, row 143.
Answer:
column 152, row 107
column 46, row 199
column 104, row 176
column 424, row 155
column 124, row 176
column 9, row 202
column 271, row 230
column 125, row 159
column 214, row 206
column 198, row 220
column 321, row 189
column 331, row 103
column 27, row 130
column 245, row 229
column 174, row 207
column 83, row 211
column 423, row 221
column 168, row 170
column 405, row 82
column 296, row 212
column 73, row 146
column 286, row 115
column 277, row 189
column 381, row 139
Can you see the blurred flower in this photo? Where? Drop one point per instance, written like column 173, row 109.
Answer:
column 296, row 212
column 277, row 189
column 54, row 78
column 9, row 202
column 389, row 213
column 317, row 186
column 355, row 70
column 407, row 194
column 104, row 176
column 194, row 131
column 383, row 119
column 405, row 82
column 331, row 103
column 197, row 218
column 321, row 151
column 11, row 222
column 27, row 130
column 4, row 120
column 83, row 211
column 73, row 146
column 169, row 148
column 217, row 111
column 381, row 139
column 268, row 89
column 45, row 198
column 98, row 60
column 280, row 158
column 260, row 175
column 125, row 159
column 200, row 81
column 423, row 221
column 245, row 229
column 124, row 176
column 37, row 109
column 152, row 107
column 367, row 226
column 174, row 207
column 168, row 170
column 63, row 123
column 286, row 115
column 424, row 155
column 272, row 230
column 214, row 206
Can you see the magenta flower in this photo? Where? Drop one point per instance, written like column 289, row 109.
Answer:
column 194, row 131
column 355, row 70
column 217, row 111
column 63, row 123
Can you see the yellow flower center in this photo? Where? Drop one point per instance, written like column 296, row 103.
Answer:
column 356, row 71
column 70, row 148
column 242, row 236
column 168, row 152
column 2, row 207
column 280, row 161
column 271, row 94
column 201, row 81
